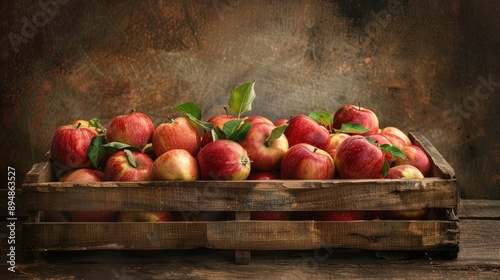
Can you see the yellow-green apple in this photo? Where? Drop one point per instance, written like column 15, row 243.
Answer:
column 257, row 119
column 134, row 129
column 305, row 161
column 223, row 160
column 264, row 175
column 338, row 215
column 120, row 167
column 380, row 139
column 405, row 172
column 280, row 122
column 69, row 145
column 398, row 132
column 357, row 158
column 355, row 114
column 336, row 139
column 174, row 165
column 415, row 156
column 265, row 153
column 178, row 133
column 303, row 129
column 87, row 175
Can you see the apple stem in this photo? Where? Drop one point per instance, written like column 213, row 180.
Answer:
column 359, row 105
column 268, row 143
column 78, row 125
column 315, row 149
column 225, row 109
column 132, row 111
column 170, row 119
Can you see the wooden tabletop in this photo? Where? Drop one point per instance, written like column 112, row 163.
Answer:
column 479, row 258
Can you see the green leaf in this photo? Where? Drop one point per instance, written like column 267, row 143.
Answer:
column 193, row 113
column 94, row 122
column 217, row 133
column 96, row 150
column 276, row 132
column 371, row 140
column 241, row 98
column 385, row 168
column 113, row 147
column 393, row 150
column 353, row 128
column 240, row 133
column 231, row 126
column 130, row 157
column 322, row 117
column 189, row 108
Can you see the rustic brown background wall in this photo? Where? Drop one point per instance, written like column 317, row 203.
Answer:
column 426, row 66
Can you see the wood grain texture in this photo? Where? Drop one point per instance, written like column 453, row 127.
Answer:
column 412, row 65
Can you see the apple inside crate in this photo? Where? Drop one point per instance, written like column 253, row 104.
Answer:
column 437, row 231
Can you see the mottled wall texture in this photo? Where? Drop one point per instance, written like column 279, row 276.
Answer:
column 428, row 66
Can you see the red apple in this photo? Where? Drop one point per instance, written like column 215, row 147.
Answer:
column 135, row 129
column 355, row 114
column 336, row 139
column 265, row 154
column 223, row 160
column 381, row 140
column 305, row 161
column 179, row 133
column 69, row 145
column 220, row 120
column 338, row 215
column 395, row 140
column 176, row 164
column 415, row 156
column 82, row 175
column 303, row 129
column 258, row 119
column 264, row 175
column 397, row 132
column 87, row 175
column 119, row 168
column 405, row 172
column 357, row 158
column 280, row 122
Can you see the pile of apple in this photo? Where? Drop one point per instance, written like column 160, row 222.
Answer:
column 345, row 144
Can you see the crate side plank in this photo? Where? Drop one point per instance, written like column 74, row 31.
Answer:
column 246, row 196
column 439, row 166
column 244, row 235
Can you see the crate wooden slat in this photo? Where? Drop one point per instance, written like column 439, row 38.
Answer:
column 438, row 192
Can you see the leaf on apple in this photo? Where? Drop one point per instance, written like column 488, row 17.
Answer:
column 240, row 133
column 371, row 140
column 241, row 98
column 322, row 117
column 193, row 113
column 353, row 128
column 393, row 150
column 217, row 133
column 130, row 157
column 96, row 150
column 385, row 168
column 231, row 126
column 276, row 132
column 113, row 147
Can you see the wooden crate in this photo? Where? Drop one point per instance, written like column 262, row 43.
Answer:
column 438, row 192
